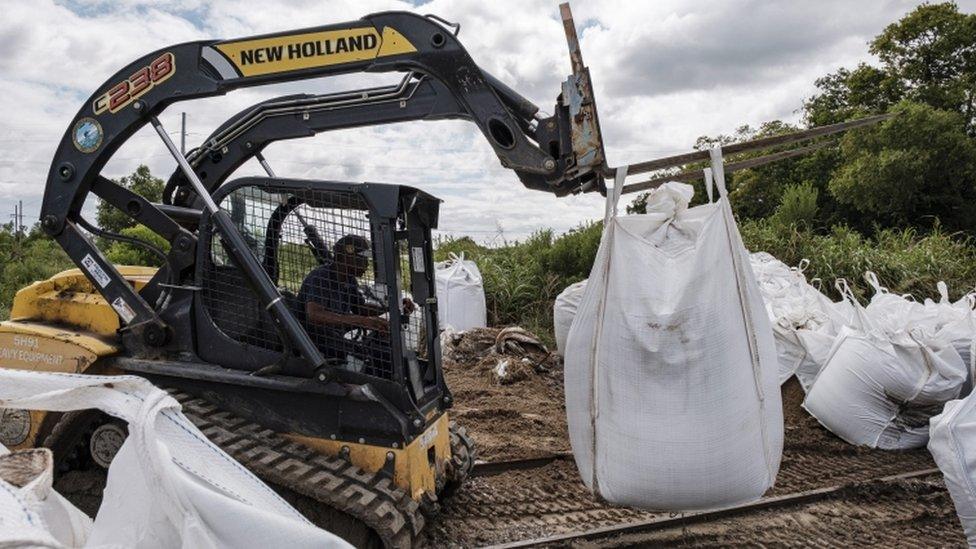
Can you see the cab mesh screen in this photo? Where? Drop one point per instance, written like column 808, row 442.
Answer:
column 317, row 247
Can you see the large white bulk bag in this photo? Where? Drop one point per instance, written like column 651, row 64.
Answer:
column 883, row 381
column 952, row 444
column 564, row 311
column 168, row 486
column 460, row 294
column 671, row 385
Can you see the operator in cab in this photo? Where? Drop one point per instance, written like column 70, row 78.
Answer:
column 334, row 305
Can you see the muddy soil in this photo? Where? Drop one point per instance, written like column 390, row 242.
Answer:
column 509, row 420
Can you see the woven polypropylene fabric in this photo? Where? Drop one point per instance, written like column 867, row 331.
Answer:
column 672, row 393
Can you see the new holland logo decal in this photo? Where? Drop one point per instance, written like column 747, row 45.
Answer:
column 254, row 57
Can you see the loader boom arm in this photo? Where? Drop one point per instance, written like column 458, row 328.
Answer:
column 441, row 76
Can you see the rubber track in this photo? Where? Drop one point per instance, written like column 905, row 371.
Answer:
column 371, row 498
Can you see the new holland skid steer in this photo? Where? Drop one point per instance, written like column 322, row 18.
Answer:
column 295, row 320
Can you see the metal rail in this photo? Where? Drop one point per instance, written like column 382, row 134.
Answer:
column 491, row 468
column 657, row 524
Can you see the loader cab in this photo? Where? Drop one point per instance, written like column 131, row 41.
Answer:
column 293, row 227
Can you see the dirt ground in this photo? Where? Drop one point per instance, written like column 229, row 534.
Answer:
column 519, row 419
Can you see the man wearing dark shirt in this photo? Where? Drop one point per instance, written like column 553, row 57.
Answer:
column 333, row 304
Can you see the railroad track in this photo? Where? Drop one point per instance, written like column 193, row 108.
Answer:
column 537, row 500
column 682, row 521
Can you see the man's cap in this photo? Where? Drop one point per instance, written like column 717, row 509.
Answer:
column 353, row 244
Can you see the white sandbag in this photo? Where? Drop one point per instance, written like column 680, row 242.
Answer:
column 460, row 294
column 956, row 322
column 168, row 486
column 816, row 346
column 949, row 321
column 32, row 514
column 671, row 385
column 817, row 341
column 564, row 311
column 791, row 305
column 952, row 444
column 879, row 387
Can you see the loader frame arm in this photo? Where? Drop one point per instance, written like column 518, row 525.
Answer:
column 245, row 135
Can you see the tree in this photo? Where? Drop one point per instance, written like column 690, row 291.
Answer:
column 33, row 257
column 140, row 182
column 910, row 170
column 932, row 51
column 848, row 94
column 928, row 56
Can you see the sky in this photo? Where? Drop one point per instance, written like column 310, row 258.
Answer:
column 665, row 73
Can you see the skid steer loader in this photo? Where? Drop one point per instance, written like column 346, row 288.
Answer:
column 295, row 320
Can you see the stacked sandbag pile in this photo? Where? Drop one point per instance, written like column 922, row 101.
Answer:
column 671, row 374
column 460, row 294
column 956, row 323
column 793, row 305
column 887, row 373
column 952, row 434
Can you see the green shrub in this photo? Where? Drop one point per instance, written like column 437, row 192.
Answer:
column 34, row 257
column 798, row 207
column 124, row 253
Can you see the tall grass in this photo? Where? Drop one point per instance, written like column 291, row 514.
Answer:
column 522, row 279
column 905, row 261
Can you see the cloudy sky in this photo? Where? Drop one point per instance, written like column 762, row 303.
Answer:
column 665, row 73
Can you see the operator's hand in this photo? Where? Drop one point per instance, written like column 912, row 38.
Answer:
column 377, row 324
column 409, row 306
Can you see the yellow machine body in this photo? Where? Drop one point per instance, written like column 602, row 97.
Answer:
column 63, row 325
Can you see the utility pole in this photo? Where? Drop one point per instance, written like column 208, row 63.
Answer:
column 183, row 134
column 18, row 216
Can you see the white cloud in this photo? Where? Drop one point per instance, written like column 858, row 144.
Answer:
column 665, row 73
